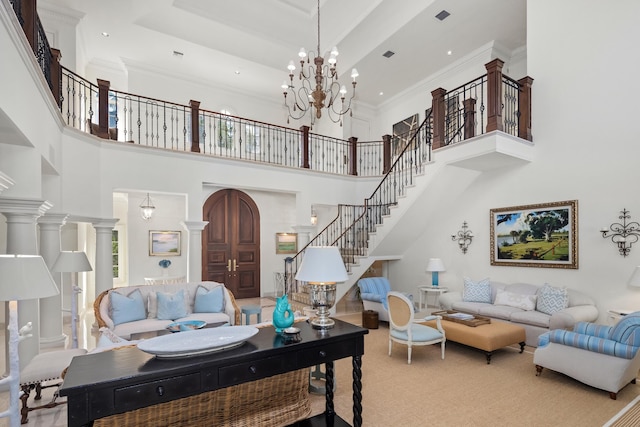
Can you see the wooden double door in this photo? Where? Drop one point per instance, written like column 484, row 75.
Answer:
column 231, row 242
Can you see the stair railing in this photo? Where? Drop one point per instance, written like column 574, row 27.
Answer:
column 351, row 227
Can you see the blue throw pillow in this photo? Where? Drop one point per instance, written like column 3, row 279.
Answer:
column 171, row 306
column 209, row 301
column 127, row 308
column 477, row 291
column 551, row 300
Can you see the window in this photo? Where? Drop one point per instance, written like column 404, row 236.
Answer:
column 115, row 255
column 225, row 130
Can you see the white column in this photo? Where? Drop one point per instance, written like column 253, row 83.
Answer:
column 51, row 318
column 194, row 255
column 21, row 217
column 104, row 262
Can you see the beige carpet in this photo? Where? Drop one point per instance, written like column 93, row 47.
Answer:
column 464, row 390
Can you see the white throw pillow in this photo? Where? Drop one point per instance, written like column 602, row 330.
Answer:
column 522, row 301
column 477, row 291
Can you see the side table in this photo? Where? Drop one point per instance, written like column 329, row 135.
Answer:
column 426, row 290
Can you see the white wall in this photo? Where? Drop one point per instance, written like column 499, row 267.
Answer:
column 583, row 115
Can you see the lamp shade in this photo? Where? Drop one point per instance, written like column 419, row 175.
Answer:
column 25, row 277
column 71, row 262
column 435, row 264
column 322, row 264
column 634, row 280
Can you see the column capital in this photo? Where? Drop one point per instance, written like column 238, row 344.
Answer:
column 36, row 207
column 52, row 219
column 105, row 223
column 194, row 225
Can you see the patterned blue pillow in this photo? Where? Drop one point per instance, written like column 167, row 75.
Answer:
column 551, row 300
column 477, row 291
column 171, row 306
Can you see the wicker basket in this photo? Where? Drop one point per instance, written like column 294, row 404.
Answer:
column 275, row 401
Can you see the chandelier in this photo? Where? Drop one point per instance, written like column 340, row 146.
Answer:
column 319, row 86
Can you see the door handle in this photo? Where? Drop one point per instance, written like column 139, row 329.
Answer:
column 234, row 264
column 229, row 265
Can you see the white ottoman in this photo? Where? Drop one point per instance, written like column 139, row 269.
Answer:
column 44, row 368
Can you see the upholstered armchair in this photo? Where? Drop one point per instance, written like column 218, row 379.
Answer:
column 373, row 292
column 605, row 357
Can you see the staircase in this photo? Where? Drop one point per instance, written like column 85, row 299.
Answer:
column 355, row 225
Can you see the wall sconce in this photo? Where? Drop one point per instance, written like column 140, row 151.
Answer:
column 147, row 208
column 314, row 217
column 464, row 237
column 624, row 235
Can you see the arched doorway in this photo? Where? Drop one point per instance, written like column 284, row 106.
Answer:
column 231, row 242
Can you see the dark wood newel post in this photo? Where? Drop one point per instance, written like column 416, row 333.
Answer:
column 494, row 95
column 469, row 118
column 305, row 146
column 353, row 156
column 437, row 110
column 103, row 108
column 195, row 126
column 56, row 76
column 29, row 26
column 524, row 107
column 386, row 154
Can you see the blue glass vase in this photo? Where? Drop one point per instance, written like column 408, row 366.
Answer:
column 283, row 316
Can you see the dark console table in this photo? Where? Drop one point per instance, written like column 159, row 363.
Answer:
column 112, row 382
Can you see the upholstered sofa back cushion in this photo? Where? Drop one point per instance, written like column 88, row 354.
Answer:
column 148, row 291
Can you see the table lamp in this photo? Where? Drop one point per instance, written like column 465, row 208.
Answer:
column 435, row 265
column 322, row 267
column 72, row 262
column 22, row 277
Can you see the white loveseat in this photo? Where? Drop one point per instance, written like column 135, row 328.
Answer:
column 581, row 308
column 149, row 322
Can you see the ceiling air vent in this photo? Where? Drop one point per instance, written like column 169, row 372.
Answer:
column 442, row 15
column 388, row 54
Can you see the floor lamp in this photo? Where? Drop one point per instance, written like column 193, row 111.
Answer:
column 73, row 262
column 22, row 277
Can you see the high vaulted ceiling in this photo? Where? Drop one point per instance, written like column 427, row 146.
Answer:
column 247, row 44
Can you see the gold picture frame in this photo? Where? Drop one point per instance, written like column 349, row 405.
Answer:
column 540, row 235
column 164, row 243
column 286, row 243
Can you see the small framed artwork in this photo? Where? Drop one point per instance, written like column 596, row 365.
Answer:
column 286, row 243
column 541, row 235
column 403, row 131
column 164, row 243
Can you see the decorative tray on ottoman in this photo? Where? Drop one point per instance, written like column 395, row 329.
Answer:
column 464, row 318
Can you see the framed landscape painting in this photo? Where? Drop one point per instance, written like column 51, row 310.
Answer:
column 541, row 235
column 286, row 243
column 164, row 243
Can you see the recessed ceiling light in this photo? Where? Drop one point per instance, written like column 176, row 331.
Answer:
column 443, row 15
column 449, row 52
column 237, row 72
column 381, row 93
column 105, row 34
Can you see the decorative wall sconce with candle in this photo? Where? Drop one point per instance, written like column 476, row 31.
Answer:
column 464, row 237
column 623, row 235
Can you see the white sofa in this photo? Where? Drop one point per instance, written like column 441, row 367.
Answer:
column 103, row 308
column 581, row 308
